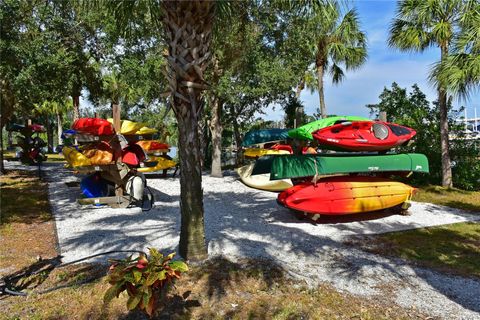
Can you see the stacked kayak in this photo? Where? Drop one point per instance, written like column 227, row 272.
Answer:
column 259, row 152
column 266, row 135
column 157, row 152
column 345, row 195
column 356, row 180
column 363, row 136
column 305, row 132
column 93, row 126
column 100, row 153
column 153, row 145
column 128, row 127
column 261, row 181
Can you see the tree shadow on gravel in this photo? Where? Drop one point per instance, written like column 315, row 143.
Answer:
column 249, row 223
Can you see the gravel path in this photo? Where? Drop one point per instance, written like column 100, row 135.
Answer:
column 244, row 222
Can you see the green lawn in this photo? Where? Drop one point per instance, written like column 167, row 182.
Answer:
column 453, row 248
column 455, row 198
column 51, row 157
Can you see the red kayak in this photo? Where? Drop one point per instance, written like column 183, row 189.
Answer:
column 285, row 147
column 345, row 195
column 94, row 126
column 153, row 145
column 363, row 136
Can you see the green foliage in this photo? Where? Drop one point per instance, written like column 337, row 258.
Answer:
column 145, row 280
column 460, row 71
column 414, row 111
column 291, row 107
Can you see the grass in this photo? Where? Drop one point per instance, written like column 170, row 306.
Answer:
column 455, row 198
column 217, row 289
column 51, row 157
column 451, row 248
column 25, row 217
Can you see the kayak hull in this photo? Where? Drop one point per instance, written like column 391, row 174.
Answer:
column 345, row 195
column 299, row 166
column 363, row 136
column 162, row 164
column 258, row 152
column 93, row 126
column 262, row 181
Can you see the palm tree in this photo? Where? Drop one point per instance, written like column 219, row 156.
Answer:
column 188, row 33
column 460, row 71
column 419, row 25
column 336, row 40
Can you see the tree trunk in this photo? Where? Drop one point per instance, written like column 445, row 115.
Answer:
column 2, row 167
column 216, row 129
column 300, row 87
column 9, row 140
column 442, row 104
column 321, row 97
column 188, row 31
column 59, row 128
column 238, row 143
column 76, row 107
column 49, row 134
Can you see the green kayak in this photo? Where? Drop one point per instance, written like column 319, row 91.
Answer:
column 297, row 166
column 305, row 132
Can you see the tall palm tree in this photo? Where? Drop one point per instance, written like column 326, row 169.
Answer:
column 336, row 40
column 460, row 71
column 422, row 24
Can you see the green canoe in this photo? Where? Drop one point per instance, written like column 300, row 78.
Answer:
column 305, row 132
column 297, row 166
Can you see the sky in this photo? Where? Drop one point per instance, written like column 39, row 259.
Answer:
column 384, row 66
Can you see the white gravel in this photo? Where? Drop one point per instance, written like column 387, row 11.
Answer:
column 244, row 222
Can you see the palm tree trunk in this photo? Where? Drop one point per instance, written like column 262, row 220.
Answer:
column 321, row 97
column 76, row 107
column 442, row 103
column 216, row 129
column 188, row 31
column 192, row 234
column 59, row 128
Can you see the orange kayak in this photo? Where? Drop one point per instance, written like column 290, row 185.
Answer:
column 345, row 195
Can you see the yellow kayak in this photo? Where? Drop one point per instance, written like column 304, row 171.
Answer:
column 128, row 127
column 146, row 130
column 257, row 152
column 75, row 158
column 162, row 164
column 261, row 181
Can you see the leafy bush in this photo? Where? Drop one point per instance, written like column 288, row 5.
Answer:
column 145, row 280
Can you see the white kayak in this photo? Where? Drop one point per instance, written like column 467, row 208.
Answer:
column 262, row 181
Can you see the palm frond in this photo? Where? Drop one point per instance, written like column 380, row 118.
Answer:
column 337, row 73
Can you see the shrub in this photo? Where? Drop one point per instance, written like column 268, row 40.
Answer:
column 146, row 281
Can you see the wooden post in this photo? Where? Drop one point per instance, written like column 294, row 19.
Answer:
column 117, row 149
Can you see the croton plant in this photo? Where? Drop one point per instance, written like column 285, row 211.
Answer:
column 146, row 280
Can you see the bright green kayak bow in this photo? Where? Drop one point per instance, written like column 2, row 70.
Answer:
column 305, row 132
